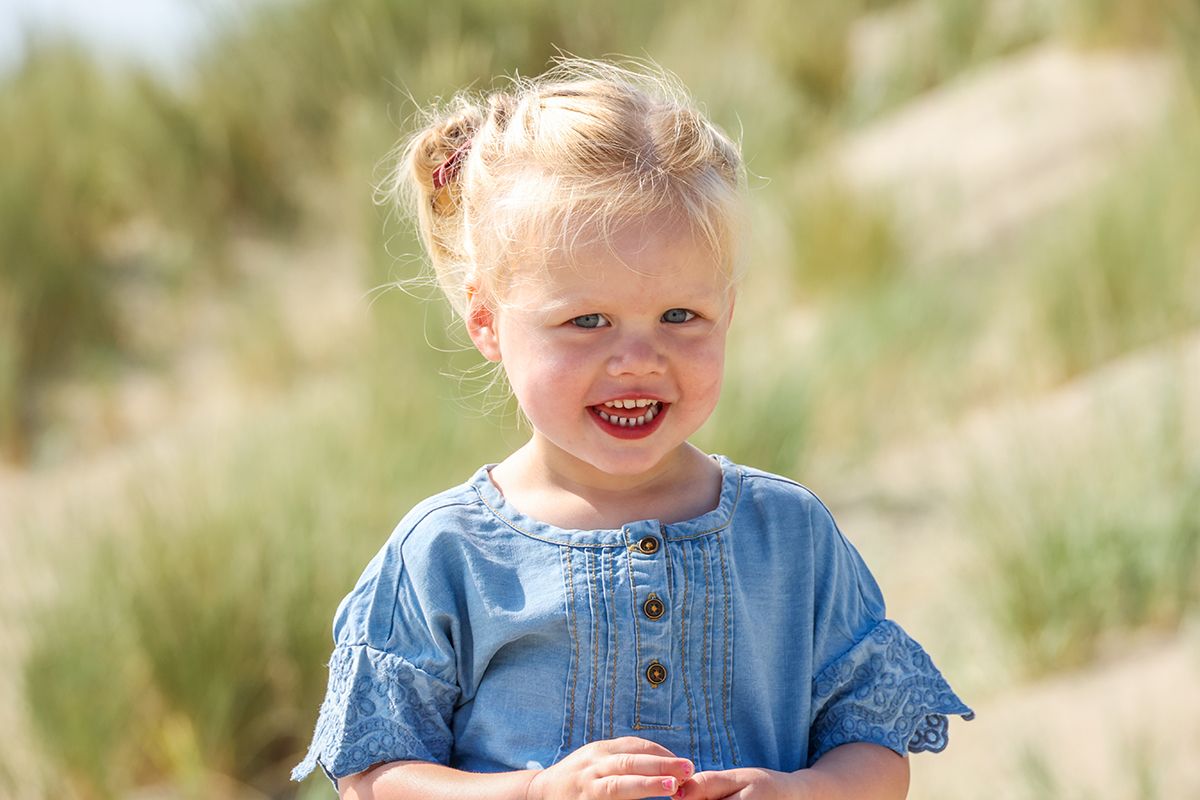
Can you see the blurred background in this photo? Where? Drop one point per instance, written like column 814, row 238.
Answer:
column 971, row 323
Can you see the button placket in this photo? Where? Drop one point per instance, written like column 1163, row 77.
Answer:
column 648, row 572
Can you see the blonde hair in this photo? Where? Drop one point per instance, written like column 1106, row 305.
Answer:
column 587, row 145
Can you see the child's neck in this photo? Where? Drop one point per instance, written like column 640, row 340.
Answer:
column 687, row 486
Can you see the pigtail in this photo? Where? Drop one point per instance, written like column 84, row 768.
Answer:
column 430, row 177
column 435, row 164
column 426, row 180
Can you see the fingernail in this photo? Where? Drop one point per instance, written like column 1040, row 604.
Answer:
column 680, row 792
column 687, row 768
column 669, row 785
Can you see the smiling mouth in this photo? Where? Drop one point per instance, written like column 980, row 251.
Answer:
column 629, row 413
column 626, row 419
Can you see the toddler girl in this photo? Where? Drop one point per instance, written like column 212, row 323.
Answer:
column 609, row 612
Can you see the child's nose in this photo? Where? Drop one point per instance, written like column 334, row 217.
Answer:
column 636, row 355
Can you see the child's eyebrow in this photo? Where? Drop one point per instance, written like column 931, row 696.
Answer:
column 562, row 302
column 552, row 304
column 550, row 307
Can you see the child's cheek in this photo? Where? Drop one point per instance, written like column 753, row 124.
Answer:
column 548, row 375
column 557, row 366
column 704, row 362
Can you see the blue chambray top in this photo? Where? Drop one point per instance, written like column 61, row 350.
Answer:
column 752, row 635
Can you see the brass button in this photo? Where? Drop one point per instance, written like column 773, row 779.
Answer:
column 653, row 607
column 656, row 673
column 648, row 545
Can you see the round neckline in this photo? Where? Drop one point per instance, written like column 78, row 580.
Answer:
column 708, row 522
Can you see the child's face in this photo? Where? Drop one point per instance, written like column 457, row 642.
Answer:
column 642, row 317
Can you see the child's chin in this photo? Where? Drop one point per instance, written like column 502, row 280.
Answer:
column 633, row 464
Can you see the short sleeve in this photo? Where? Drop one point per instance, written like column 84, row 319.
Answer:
column 378, row 708
column 872, row 682
column 884, row 690
column 393, row 683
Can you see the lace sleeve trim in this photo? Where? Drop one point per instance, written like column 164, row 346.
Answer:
column 884, row 690
column 378, row 708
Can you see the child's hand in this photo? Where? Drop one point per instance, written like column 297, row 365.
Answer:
column 628, row 768
column 745, row 784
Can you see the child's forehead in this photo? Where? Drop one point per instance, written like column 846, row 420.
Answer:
column 637, row 276
column 640, row 248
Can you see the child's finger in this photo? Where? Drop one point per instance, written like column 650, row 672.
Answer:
column 713, row 785
column 635, row 787
column 636, row 764
column 633, row 744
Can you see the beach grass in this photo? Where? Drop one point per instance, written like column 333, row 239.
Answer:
column 1089, row 544
column 195, row 624
column 1123, row 268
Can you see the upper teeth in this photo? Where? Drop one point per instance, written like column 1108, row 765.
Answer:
column 631, row 422
column 639, row 403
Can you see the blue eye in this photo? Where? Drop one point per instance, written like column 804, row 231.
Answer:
column 589, row 321
column 677, row 315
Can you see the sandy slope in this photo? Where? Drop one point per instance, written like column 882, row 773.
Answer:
column 970, row 164
column 1093, row 733
column 1107, row 732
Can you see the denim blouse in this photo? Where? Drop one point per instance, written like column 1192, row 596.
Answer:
column 752, row 635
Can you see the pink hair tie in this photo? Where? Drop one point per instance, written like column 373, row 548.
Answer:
column 448, row 169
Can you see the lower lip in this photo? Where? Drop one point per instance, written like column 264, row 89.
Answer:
column 639, row 432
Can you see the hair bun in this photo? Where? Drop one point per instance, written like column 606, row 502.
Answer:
column 436, row 160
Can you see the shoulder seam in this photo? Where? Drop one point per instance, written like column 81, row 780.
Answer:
column 398, row 542
column 439, row 507
column 768, row 476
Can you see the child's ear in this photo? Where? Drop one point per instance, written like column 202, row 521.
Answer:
column 481, row 325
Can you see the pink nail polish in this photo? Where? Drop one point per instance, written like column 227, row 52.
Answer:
column 669, row 785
